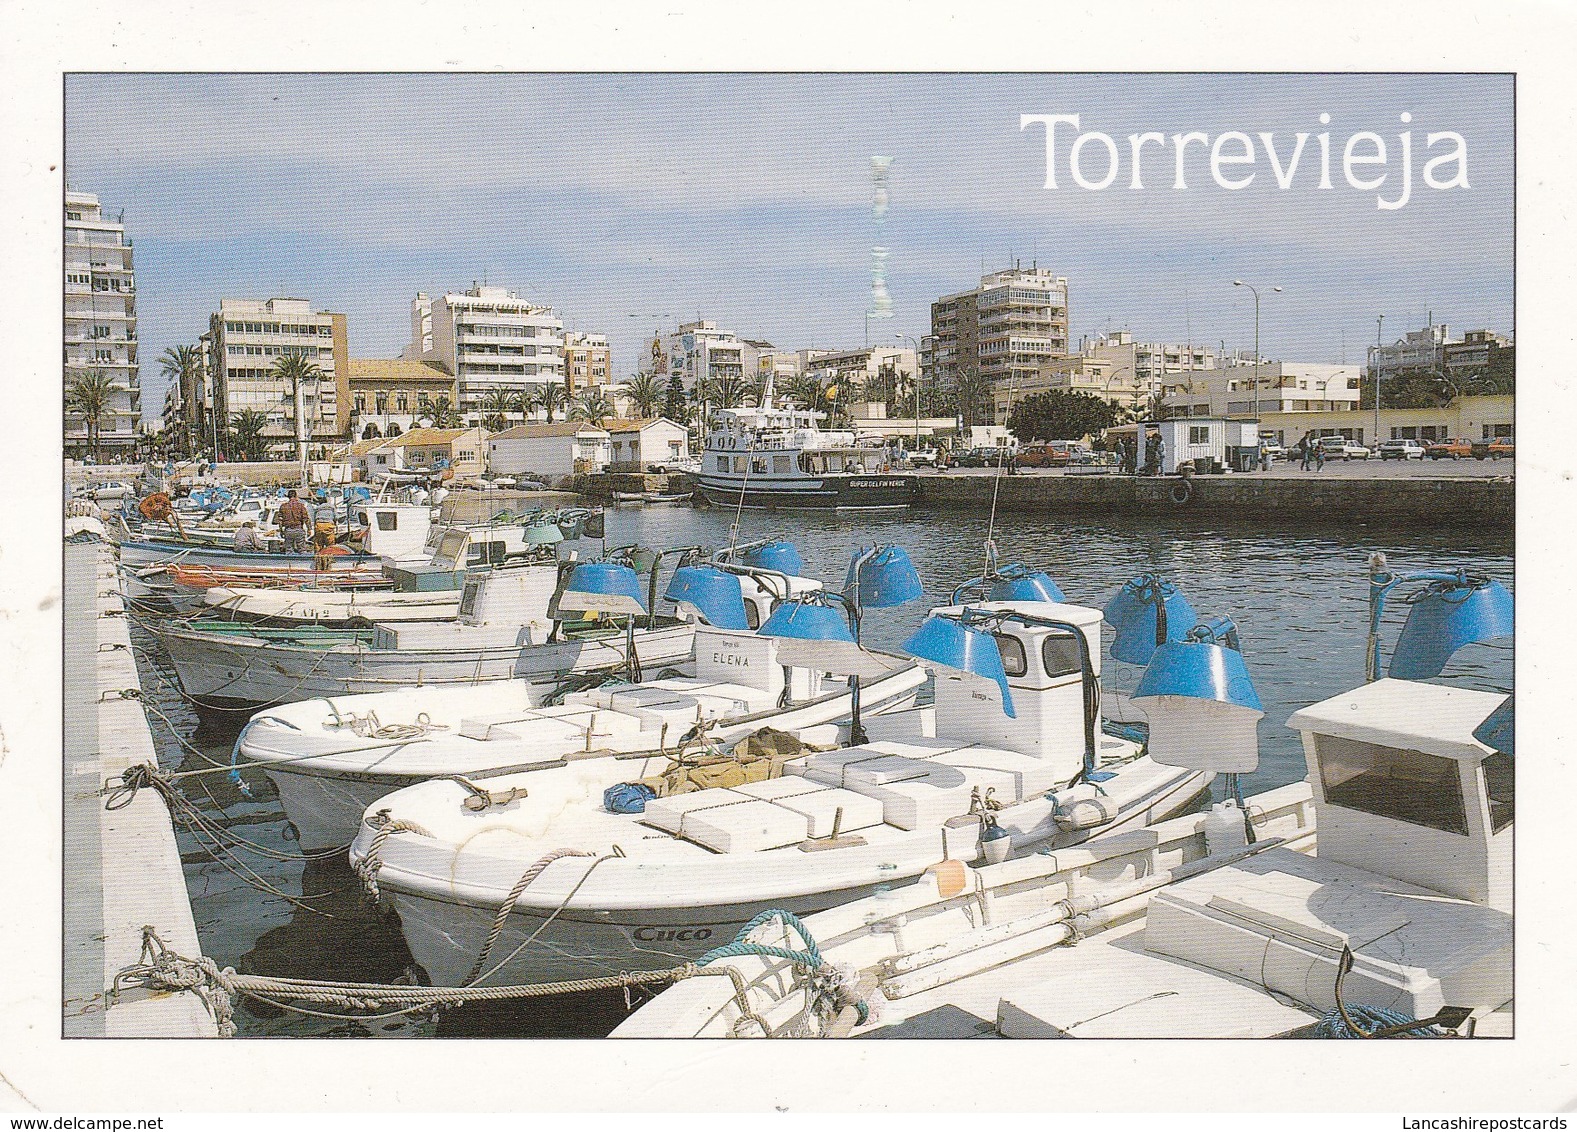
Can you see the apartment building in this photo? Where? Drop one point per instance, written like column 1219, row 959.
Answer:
column 1284, row 387
column 246, row 340
column 699, row 351
column 100, row 324
column 857, row 367
column 587, row 361
column 489, row 339
column 1003, row 330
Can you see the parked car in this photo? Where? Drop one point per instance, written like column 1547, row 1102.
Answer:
column 1275, row 450
column 981, row 458
column 1340, row 448
column 1401, row 450
column 1455, row 448
column 1500, row 446
column 110, row 490
column 922, row 458
column 1055, row 454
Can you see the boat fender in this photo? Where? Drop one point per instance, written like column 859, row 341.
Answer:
column 1086, row 813
column 1182, row 492
column 627, row 798
column 995, row 844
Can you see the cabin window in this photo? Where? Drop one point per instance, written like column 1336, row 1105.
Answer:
column 1408, row 786
column 388, row 520
column 722, row 463
column 758, row 466
column 1060, row 655
column 1499, row 778
column 468, row 598
column 752, row 616
column 780, row 464
column 1014, row 661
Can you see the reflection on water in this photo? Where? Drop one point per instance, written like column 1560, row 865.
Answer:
column 1299, row 596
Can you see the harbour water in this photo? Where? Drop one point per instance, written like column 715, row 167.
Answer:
column 1298, row 595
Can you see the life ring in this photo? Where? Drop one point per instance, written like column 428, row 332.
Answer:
column 1182, row 492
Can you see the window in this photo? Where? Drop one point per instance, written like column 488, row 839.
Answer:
column 1199, row 434
column 1499, row 779
column 1060, row 655
column 1014, row 662
column 388, row 520
column 1408, row 786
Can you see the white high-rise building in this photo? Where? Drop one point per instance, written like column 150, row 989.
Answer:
column 246, row 339
column 1003, row 330
column 101, row 323
column 699, row 352
column 489, row 339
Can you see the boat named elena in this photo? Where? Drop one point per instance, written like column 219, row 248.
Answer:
column 771, row 457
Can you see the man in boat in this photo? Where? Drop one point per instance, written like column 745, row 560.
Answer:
column 293, row 519
column 247, row 538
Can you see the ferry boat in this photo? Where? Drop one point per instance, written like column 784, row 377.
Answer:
column 771, row 457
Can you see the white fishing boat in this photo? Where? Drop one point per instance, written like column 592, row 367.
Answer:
column 329, row 607
column 653, row 498
column 332, row 759
column 509, row 627
column 548, row 882
column 1372, row 899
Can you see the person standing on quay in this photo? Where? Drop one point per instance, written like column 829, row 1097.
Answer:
column 293, row 520
column 1304, row 454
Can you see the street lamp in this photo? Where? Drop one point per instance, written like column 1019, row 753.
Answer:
column 1251, row 287
column 1378, row 322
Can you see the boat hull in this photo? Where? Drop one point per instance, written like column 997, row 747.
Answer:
column 445, row 933
column 224, row 672
column 874, row 492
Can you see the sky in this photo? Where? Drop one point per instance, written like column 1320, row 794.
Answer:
column 633, row 202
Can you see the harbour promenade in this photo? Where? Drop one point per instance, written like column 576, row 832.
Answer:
column 1443, row 496
column 122, row 866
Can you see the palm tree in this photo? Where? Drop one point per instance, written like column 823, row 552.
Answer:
column 590, row 405
column 439, row 411
column 89, row 397
column 295, row 371
column 496, row 407
column 752, row 389
column 247, row 439
column 550, row 397
column 183, row 365
column 974, row 396
column 724, row 392
column 645, row 391
column 805, row 391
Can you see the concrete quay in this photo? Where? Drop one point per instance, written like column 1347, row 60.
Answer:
column 1448, row 501
column 122, row 867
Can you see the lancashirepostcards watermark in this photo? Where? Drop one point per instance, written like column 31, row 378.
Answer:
column 1232, row 160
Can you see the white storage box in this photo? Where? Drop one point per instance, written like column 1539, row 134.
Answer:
column 667, row 814
column 772, row 789
column 1027, row 776
column 820, row 809
column 748, row 827
column 921, row 803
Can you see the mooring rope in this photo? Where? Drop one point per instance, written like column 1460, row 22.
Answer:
column 159, row 968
